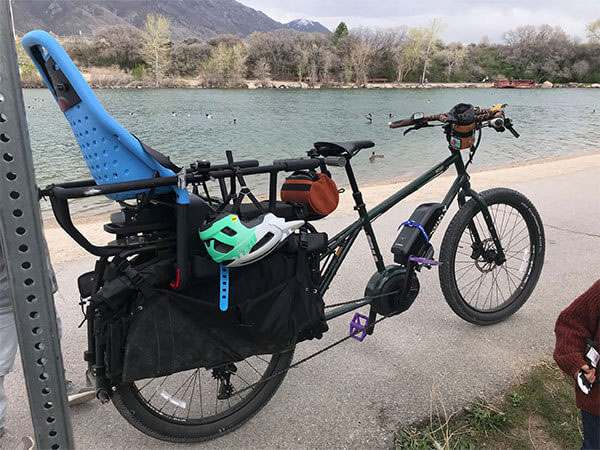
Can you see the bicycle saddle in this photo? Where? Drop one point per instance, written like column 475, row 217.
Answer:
column 337, row 148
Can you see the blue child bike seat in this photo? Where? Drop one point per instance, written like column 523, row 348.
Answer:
column 112, row 154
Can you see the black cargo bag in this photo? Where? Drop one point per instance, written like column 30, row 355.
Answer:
column 273, row 304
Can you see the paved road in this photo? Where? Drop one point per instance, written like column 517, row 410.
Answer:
column 356, row 395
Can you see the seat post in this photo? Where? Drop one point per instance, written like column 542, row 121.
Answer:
column 356, row 194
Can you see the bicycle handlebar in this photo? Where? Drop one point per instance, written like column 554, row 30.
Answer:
column 481, row 115
column 338, row 161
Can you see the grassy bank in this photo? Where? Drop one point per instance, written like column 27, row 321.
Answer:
column 537, row 413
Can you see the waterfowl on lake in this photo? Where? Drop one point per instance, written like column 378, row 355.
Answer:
column 374, row 156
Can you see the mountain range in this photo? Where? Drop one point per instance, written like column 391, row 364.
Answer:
column 201, row 19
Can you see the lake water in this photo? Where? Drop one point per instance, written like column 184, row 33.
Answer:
column 278, row 123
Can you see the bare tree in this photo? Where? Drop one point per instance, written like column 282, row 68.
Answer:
column 262, row 70
column 120, row 45
column 581, row 68
column 360, row 55
column 431, row 35
column 155, row 45
column 384, row 43
column 453, row 56
column 329, row 60
column 593, row 31
column 542, row 52
column 317, row 51
column 409, row 53
column 301, row 62
column 187, row 57
column 279, row 48
column 226, row 66
column 237, row 64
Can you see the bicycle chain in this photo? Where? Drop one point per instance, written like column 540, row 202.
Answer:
column 323, row 350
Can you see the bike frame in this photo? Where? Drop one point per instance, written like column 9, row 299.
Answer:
column 339, row 245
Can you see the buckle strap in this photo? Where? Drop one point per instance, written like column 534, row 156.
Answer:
column 136, row 278
column 223, row 287
column 413, row 224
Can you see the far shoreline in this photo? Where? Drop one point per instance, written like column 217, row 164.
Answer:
column 102, row 81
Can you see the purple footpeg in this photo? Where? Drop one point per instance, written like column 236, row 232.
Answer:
column 358, row 326
column 429, row 262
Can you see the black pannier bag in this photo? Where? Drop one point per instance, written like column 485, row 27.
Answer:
column 152, row 331
column 413, row 239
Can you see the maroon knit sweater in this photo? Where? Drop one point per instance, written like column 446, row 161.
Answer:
column 580, row 320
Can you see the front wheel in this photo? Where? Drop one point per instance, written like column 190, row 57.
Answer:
column 202, row 404
column 477, row 288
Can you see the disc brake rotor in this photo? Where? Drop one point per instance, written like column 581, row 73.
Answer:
column 486, row 256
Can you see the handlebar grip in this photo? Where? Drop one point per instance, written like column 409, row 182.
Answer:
column 401, row 123
column 290, row 165
column 338, row 161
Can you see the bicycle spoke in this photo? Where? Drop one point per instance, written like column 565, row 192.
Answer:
column 471, row 284
column 253, row 368
column 466, row 272
column 508, row 276
column 184, row 393
column 150, row 381
column 159, row 386
column 171, row 396
column 484, row 276
column 192, row 395
column 200, row 392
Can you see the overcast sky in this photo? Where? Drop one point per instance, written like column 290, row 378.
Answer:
column 466, row 21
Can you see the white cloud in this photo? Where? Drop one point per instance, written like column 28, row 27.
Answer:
column 466, row 21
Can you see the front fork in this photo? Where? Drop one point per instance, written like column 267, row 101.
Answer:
column 467, row 191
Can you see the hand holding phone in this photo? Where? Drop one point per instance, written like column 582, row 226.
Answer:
column 587, row 375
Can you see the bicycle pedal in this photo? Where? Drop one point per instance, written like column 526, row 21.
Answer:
column 358, row 327
column 426, row 262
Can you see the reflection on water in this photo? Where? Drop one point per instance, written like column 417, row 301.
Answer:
column 273, row 124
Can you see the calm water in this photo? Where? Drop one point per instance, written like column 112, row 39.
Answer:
column 273, row 124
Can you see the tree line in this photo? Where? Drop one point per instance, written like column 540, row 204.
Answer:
column 345, row 57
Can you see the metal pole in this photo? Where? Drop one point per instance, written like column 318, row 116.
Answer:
column 22, row 242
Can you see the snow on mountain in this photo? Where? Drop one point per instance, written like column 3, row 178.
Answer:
column 307, row 26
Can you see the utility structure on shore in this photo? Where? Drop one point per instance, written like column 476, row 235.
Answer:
column 22, row 242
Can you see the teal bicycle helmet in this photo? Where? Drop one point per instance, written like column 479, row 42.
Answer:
column 233, row 242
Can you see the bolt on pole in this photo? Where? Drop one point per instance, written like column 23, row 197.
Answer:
column 23, row 248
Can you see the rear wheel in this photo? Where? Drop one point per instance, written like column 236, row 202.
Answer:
column 477, row 288
column 201, row 404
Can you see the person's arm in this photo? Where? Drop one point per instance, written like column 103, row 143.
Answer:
column 576, row 323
